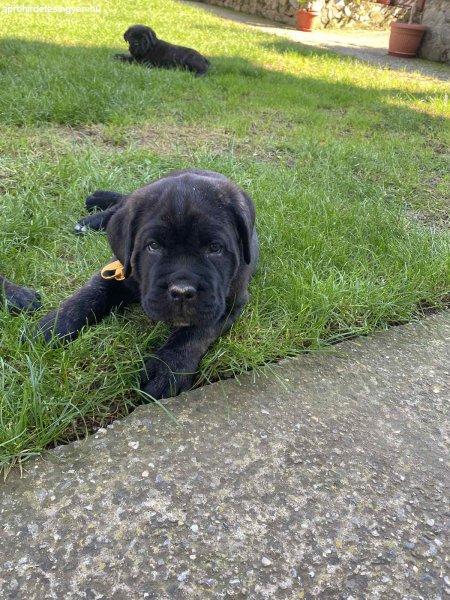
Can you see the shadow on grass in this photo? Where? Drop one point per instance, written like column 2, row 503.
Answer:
column 79, row 85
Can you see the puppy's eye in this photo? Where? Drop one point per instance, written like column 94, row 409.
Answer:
column 215, row 248
column 154, row 246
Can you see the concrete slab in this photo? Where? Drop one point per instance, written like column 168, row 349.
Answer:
column 325, row 479
column 369, row 46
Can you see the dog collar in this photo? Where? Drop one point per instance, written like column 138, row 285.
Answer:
column 114, row 270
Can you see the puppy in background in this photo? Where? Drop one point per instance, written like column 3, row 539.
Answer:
column 147, row 49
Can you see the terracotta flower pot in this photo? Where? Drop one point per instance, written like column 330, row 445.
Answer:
column 305, row 19
column 405, row 39
column 386, row 2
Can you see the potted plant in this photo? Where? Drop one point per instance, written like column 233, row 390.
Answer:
column 405, row 38
column 307, row 14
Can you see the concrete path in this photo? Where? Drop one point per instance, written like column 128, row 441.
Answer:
column 369, row 46
column 324, row 480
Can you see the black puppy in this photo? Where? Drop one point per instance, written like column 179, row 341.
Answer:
column 18, row 297
column 147, row 49
column 188, row 247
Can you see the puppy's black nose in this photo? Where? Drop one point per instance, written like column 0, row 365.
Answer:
column 182, row 291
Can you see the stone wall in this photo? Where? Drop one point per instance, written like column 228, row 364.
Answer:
column 355, row 13
column 436, row 43
column 334, row 13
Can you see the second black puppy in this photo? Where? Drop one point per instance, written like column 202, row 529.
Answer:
column 187, row 248
column 147, row 49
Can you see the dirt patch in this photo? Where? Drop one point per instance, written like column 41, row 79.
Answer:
column 267, row 142
column 100, row 135
column 181, row 140
column 431, row 206
column 437, row 220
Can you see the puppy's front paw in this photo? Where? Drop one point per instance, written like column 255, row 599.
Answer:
column 55, row 326
column 20, row 298
column 80, row 228
column 162, row 377
column 96, row 222
column 123, row 57
column 102, row 199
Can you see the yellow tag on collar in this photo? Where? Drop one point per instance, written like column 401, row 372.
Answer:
column 114, row 270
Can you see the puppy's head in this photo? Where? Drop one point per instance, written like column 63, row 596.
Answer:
column 140, row 39
column 183, row 239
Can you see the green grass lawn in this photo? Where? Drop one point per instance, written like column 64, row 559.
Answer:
column 347, row 164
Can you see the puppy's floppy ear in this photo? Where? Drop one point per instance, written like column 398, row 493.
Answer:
column 121, row 233
column 126, row 35
column 151, row 36
column 244, row 218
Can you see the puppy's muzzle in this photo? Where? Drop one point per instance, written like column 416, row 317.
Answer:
column 182, row 292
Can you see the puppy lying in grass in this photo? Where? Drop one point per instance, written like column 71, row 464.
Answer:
column 147, row 49
column 186, row 249
column 18, row 297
